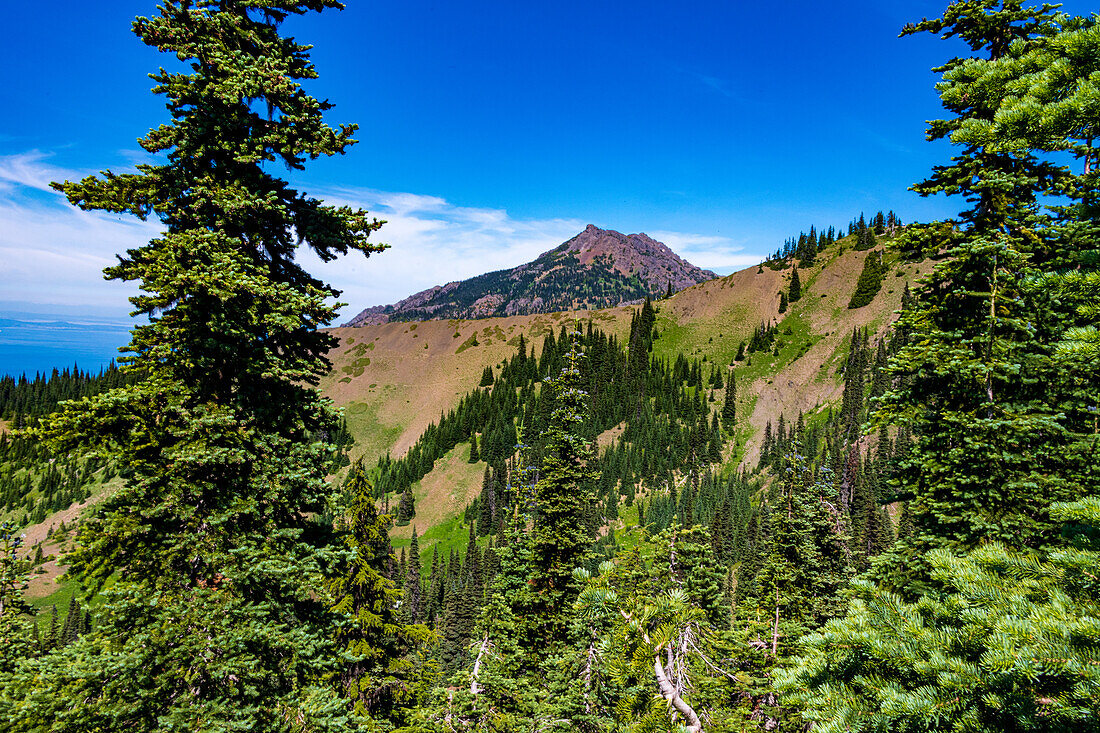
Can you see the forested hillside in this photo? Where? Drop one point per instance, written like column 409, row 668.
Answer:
column 394, row 379
column 854, row 488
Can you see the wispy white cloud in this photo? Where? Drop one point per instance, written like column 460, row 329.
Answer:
column 29, row 170
column 711, row 252
column 52, row 253
column 432, row 242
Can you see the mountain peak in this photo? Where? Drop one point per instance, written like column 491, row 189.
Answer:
column 598, row 268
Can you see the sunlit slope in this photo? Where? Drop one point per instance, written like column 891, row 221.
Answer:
column 712, row 319
column 394, row 379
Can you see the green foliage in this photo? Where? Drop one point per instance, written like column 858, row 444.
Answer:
column 475, row 456
column 234, row 600
column 13, row 574
column 865, row 240
column 214, row 612
column 795, row 292
column 729, row 404
column 870, row 280
column 560, row 538
column 406, row 507
column 1012, row 643
column 1000, row 412
column 379, row 673
column 994, row 626
column 25, row 398
column 657, row 402
column 800, row 559
column 655, row 647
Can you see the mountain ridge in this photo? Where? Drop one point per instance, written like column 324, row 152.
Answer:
column 597, row 268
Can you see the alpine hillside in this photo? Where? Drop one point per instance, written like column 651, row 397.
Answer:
column 598, row 268
column 395, row 378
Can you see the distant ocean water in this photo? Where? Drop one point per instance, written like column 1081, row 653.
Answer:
column 31, row 343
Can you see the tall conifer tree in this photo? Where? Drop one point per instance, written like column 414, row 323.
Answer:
column 376, row 641
column 999, row 430
column 563, row 495
column 216, row 610
column 729, row 404
column 993, row 391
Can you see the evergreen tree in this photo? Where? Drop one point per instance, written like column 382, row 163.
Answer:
column 1008, row 644
column 487, row 504
column 214, row 611
column 870, row 280
column 13, row 579
column 723, row 543
column 406, row 507
column 560, row 540
column 795, row 292
column 729, row 405
column 852, row 401
column 412, row 605
column 376, row 642
column 19, row 636
column 989, row 387
column 1000, row 424
column 801, row 563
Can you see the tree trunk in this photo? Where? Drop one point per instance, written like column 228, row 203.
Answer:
column 668, row 691
column 475, row 688
column 588, row 678
column 775, row 633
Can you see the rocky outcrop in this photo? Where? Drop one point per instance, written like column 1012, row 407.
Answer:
column 598, row 268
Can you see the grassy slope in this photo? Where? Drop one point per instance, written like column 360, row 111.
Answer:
column 417, row 370
column 394, row 379
column 711, row 319
column 47, row 586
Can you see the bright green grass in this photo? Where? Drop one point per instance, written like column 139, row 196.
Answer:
column 451, row 534
column 372, row 437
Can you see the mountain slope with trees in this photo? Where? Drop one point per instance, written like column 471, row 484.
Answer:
column 393, row 379
column 598, row 268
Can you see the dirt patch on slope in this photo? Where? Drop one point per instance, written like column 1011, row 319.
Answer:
column 605, row 439
column 44, row 584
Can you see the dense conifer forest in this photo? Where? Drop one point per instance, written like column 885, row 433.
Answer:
column 22, row 399
column 35, row 480
column 920, row 555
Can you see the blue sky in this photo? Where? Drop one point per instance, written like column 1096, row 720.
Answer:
column 493, row 131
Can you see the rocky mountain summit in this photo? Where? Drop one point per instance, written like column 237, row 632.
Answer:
column 598, row 268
